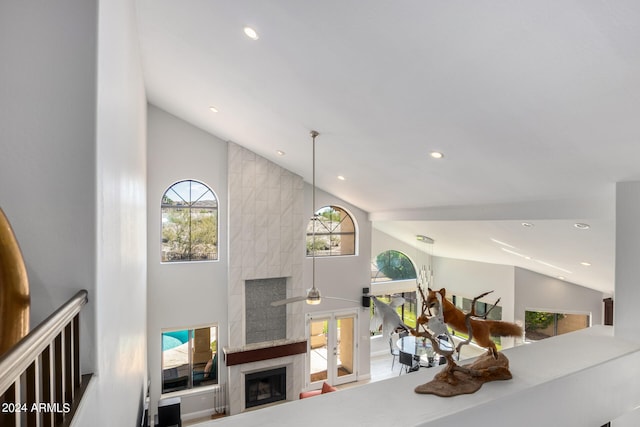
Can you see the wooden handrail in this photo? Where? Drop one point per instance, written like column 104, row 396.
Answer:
column 16, row 361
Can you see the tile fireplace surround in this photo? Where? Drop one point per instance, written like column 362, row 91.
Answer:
column 266, row 241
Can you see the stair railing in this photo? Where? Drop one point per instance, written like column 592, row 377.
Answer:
column 40, row 381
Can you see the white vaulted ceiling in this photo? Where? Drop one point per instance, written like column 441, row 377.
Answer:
column 534, row 104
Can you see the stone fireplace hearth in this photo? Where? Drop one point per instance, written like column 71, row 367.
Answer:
column 266, row 255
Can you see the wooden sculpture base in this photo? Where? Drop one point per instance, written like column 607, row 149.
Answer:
column 452, row 382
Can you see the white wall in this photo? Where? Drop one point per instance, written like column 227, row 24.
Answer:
column 471, row 278
column 627, row 291
column 343, row 276
column 72, row 116
column 47, row 150
column 538, row 292
column 116, row 396
column 183, row 295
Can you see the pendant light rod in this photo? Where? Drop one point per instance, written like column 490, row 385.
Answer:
column 314, row 218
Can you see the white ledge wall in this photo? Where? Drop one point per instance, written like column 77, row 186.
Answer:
column 578, row 379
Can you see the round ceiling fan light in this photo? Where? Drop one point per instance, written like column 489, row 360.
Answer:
column 313, row 296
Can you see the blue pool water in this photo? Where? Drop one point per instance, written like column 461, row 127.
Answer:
column 174, row 339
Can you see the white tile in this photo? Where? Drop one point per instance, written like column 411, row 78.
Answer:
column 274, row 271
column 248, row 155
column 248, row 258
column 249, row 273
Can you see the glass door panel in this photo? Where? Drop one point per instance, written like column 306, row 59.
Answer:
column 332, row 348
column 318, row 350
column 345, row 349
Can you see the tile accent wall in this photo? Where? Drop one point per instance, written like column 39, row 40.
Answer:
column 262, row 321
column 266, row 240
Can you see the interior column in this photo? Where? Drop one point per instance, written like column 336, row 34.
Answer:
column 627, row 282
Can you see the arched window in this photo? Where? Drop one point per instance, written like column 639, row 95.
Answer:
column 388, row 270
column 335, row 233
column 392, row 265
column 189, row 223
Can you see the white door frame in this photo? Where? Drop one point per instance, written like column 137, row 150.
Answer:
column 332, row 346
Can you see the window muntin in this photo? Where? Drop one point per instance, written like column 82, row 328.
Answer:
column 335, row 233
column 189, row 358
column 189, row 223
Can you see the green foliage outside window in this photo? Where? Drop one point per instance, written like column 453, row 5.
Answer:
column 331, row 233
column 395, row 265
column 189, row 223
column 535, row 320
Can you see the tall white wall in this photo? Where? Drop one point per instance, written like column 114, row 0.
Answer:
column 117, row 395
column 183, row 295
column 538, row 292
column 47, row 150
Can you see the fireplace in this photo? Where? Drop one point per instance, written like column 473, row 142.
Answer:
column 266, row 263
column 265, row 387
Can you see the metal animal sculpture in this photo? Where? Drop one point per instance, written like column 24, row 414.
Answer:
column 387, row 316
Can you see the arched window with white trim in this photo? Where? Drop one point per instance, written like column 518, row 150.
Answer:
column 393, row 274
column 332, row 232
column 189, row 223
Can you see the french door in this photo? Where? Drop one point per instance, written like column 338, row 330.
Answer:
column 332, row 344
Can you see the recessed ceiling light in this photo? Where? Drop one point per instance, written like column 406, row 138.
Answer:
column 586, row 264
column 436, row 155
column 561, row 277
column 251, row 33
column 341, row 178
column 527, row 224
column 213, row 109
column 581, row 226
column 280, row 153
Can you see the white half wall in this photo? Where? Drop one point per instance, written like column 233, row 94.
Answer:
column 561, row 381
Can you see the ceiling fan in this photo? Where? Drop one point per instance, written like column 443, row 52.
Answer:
column 313, row 294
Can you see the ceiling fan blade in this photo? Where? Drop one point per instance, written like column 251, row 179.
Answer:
column 342, row 299
column 288, row 300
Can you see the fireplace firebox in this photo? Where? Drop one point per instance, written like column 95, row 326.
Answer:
column 265, row 387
